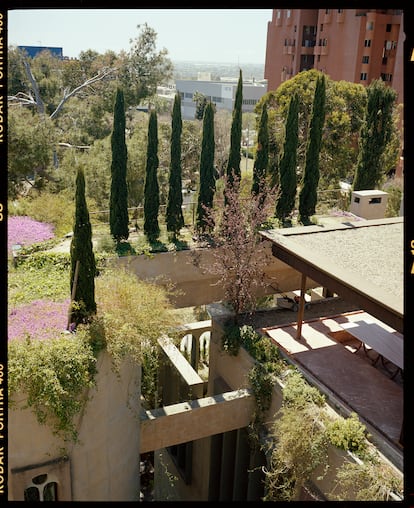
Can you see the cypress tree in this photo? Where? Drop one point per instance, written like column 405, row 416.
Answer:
column 309, row 193
column 273, row 164
column 207, row 178
column 233, row 166
column 262, row 154
column 287, row 191
column 82, row 256
column 375, row 133
column 174, row 213
column 201, row 103
column 118, row 207
column 151, row 187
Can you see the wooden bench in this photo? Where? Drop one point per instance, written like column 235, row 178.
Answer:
column 387, row 344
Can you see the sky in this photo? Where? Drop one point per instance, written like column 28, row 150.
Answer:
column 236, row 36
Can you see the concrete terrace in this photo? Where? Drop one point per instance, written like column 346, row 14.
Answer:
column 347, row 375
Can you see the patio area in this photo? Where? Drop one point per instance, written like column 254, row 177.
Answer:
column 350, row 375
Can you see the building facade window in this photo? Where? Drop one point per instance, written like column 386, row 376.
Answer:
column 370, row 25
column 278, row 15
column 41, row 489
column 386, row 77
column 388, row 27
column 367, row 43
column 364, row 76
column 321, row 28
column 365, row 59
column 288, row 13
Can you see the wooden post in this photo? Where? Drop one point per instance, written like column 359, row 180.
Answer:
column 301, row 307
column 72, row 296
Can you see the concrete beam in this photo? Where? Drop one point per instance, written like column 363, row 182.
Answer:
column 196, row 419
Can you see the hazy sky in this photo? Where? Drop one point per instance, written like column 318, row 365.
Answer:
column 207, row 35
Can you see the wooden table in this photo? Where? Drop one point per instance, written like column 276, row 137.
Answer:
column 389, row 345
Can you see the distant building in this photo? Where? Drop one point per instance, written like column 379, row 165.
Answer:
column 356, row 45
column 33, row 51
column 221, row 93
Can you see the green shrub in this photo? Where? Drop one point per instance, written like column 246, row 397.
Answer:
column 348, row 434
column 298, row 393
column 395, row 193
column 54, row 375
column 135, row 314
column 370, row 481
column 231, row 339
column 259, row 347
column 106, row 243
column 56, row 209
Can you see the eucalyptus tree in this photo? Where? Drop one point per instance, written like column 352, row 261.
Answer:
column 143, row 67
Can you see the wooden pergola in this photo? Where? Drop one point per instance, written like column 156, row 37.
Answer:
column 318, row 253
column 313, row 260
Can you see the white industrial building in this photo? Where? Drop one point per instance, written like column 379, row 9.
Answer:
column 221, row 93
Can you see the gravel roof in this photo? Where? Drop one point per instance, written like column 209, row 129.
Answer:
column 372, row 250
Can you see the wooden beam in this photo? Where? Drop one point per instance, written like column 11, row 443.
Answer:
column 301, row 310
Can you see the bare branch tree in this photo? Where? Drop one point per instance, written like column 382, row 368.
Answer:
column 241, row 256
column 38, row 99
column 67, row 95
column 29, row 100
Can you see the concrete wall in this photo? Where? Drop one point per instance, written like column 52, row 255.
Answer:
column 104, row 465
column 195, row 285
column 230, row 372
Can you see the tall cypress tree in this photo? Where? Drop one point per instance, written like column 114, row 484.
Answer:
column 82, row 258
column 309, row 193
column 233, row 165
column 207, row 178
column 287, row 191
column 151, row 187
column 174, row 213
column 375, row 133
column 262, row 154
column 118, row 207
column 273, row 160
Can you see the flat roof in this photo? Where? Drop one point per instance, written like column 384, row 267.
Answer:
column 361, row 261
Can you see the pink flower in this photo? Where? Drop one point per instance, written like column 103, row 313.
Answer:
column 41, row 319
column 25, row 231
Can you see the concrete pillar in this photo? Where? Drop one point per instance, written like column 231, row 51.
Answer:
column 241, row 465
column 227, row 465
column 216, row 443
column 195, row 351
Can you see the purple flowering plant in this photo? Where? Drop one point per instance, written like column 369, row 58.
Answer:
column 24, row 230
column 40, row 319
